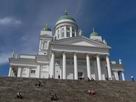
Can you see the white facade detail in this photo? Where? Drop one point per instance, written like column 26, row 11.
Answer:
column 99, row 68
column 88, row 66
column 64, row 53
column 64, row 66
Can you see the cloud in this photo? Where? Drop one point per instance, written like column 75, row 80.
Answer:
column 4, row 58
column 9, row 21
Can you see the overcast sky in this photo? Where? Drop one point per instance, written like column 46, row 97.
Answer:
column 22, row 20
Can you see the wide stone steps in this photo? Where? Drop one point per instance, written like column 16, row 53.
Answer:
column 66, row 90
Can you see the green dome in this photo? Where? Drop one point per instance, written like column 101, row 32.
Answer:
column 66, row 16
column 94, row 33
column 46, row 28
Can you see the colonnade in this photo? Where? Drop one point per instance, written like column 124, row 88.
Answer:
column 118, row 75
column 52, row 66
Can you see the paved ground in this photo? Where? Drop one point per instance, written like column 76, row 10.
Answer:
column 66, row 90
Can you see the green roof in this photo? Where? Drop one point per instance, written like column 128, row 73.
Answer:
column 94, row 33
column 66, row 16
column 46, row 28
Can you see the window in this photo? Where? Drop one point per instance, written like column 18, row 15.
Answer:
column 62, row 29
column 68, row 34
column 62, row 34
column 73, row 30
column 32, row 71
column 80, row 73
column 73, row 34
column 68, row 28
column 45, row 44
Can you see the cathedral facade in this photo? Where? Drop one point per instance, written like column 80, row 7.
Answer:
column 64, row 53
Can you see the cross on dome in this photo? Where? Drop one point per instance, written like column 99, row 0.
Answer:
column 46, row 28
column 65, row 12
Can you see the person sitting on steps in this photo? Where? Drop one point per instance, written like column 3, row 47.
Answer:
column 92, row 79
column 91, row 92
column 38, row 84
column 54, row 97
column 19, row 95
column 88, row 79
column 58, row 76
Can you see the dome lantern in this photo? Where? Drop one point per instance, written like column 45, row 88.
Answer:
column 94, row 33
column 46, row 28
column 95, row 36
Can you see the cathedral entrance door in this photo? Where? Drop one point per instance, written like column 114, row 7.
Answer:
column 80, row 75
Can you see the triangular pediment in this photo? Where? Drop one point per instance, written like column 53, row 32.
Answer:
column 81, row 41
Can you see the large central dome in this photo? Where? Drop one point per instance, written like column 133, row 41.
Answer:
column 66, row 18
column 66, row 26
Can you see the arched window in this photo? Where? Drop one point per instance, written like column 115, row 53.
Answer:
column 73, row 32
column 62, row 32
column 45, row 45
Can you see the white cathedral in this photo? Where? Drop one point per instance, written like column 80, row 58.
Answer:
column 64, row 53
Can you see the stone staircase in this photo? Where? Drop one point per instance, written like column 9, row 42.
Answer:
column 66, row 90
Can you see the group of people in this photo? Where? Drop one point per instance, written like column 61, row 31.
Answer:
column 54, row 96
column 91, row 92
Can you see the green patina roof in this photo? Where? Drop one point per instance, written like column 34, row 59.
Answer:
column 94, row 33
column 66, row 16
column 46, row 28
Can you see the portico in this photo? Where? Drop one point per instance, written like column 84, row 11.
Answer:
column 77, row 57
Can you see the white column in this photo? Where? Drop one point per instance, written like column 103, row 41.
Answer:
column 40, row 46
column 11, row 73
column 38, row 71
column 75, row 67
column 123, row 76
column 70, row 31
column 52, row 65
column 99, row 68
column 88, row 66
column 19, row 72
column 64, row 66
column 65, row 32
column 108, row 68
column 116, row 75
column 28, row 72
column 10, row 69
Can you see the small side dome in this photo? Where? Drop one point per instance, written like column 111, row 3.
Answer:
column 94, row 33
column 95, row 36
column 46, row 28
